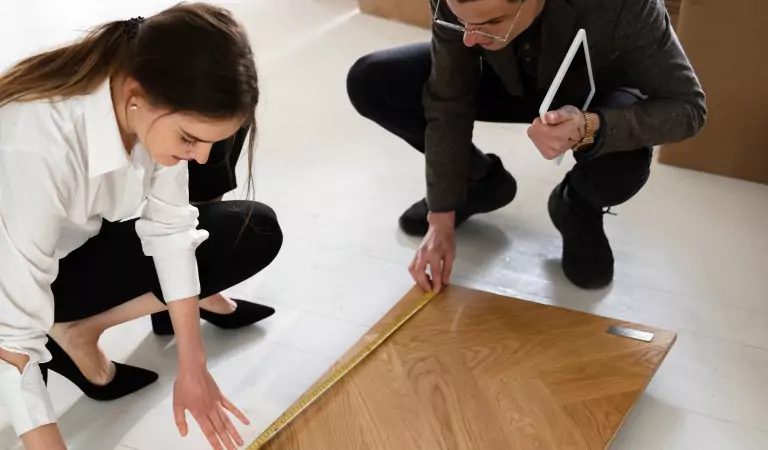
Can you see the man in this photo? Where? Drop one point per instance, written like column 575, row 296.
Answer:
column 493, row 60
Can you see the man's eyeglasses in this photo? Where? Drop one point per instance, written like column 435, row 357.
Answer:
column 463, row 29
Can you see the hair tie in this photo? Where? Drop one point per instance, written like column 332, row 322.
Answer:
column 131, row 27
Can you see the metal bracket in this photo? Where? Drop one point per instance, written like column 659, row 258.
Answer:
column 630, row 333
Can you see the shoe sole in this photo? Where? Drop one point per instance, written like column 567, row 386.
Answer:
column 420, row 230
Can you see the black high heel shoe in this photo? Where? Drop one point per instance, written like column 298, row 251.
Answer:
column 127, row 380
column 245, row 314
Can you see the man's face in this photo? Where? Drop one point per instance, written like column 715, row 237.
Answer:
column 491, row 17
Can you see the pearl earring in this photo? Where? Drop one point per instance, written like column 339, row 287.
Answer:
column 134, row 107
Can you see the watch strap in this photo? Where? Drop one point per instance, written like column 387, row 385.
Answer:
column 589, row 133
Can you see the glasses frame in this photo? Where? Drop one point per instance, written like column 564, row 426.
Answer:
column 463, row 29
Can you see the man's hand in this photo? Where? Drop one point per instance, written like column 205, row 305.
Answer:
column 437, row 251
column 562, row 130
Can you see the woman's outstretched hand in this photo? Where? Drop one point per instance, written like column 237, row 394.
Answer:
column 196, row 391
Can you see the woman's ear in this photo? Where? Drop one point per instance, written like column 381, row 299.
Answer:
column 134, row 93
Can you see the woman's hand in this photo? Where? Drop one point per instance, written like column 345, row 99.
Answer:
column 196, row 391
column 15, row 359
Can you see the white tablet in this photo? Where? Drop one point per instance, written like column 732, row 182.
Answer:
column 580, row 41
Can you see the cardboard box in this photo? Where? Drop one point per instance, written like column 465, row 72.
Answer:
column 727, row 44
column 413, row 12
column 673, row 8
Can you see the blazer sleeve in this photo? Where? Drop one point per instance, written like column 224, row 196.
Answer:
column 674, row 107
column 449, row 107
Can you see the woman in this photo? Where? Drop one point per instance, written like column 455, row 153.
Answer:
column 96, row 225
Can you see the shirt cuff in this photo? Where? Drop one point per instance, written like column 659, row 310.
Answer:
column 597, row 147
column 26, row 397
column 178, row 275
column 442, row 200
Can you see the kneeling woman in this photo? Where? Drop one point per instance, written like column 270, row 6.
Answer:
column 96, row 223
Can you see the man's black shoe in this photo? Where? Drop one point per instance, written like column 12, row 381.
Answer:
column 587, row 256
column 494, row 191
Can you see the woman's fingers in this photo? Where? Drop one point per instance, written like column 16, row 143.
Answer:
column 180, row 418
column 236, row 412
column 209, row 432
column 220, row 428
column 199, row 394
column 231, row 430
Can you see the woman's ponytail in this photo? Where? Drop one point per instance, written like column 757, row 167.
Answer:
column 193, row 58
column 75, row 69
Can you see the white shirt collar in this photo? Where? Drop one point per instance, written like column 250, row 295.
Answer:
column 106, row 151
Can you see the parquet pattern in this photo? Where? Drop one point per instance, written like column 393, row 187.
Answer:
column 475, row 370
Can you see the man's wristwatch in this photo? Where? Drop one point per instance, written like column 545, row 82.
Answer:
column 589, row 132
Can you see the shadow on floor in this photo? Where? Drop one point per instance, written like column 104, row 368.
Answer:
column 91, row 425
column 567, row 295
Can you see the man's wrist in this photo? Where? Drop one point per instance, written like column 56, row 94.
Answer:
column 442, row 219
column 594, row 122
column 591, row 125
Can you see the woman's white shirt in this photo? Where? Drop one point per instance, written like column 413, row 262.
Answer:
column 63, row 167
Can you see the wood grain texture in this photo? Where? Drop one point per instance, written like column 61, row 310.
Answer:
column 475, row 370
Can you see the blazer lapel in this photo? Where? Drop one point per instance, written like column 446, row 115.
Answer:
column 558, row 30
column 504, row 62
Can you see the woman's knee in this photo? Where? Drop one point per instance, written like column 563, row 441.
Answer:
column 261, row 230
column 246, row 230
column 244, row 238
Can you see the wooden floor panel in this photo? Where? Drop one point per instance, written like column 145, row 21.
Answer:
column 474, row 370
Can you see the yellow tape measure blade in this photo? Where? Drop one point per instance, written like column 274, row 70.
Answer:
column 307, row 399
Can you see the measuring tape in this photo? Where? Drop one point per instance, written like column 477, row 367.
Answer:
column 309, row 398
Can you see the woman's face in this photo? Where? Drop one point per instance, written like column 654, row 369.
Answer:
column 172, row 137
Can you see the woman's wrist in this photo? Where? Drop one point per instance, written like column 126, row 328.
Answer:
column 192, row 361
column 46, row 437
column 191, row 353
column 185, row 316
